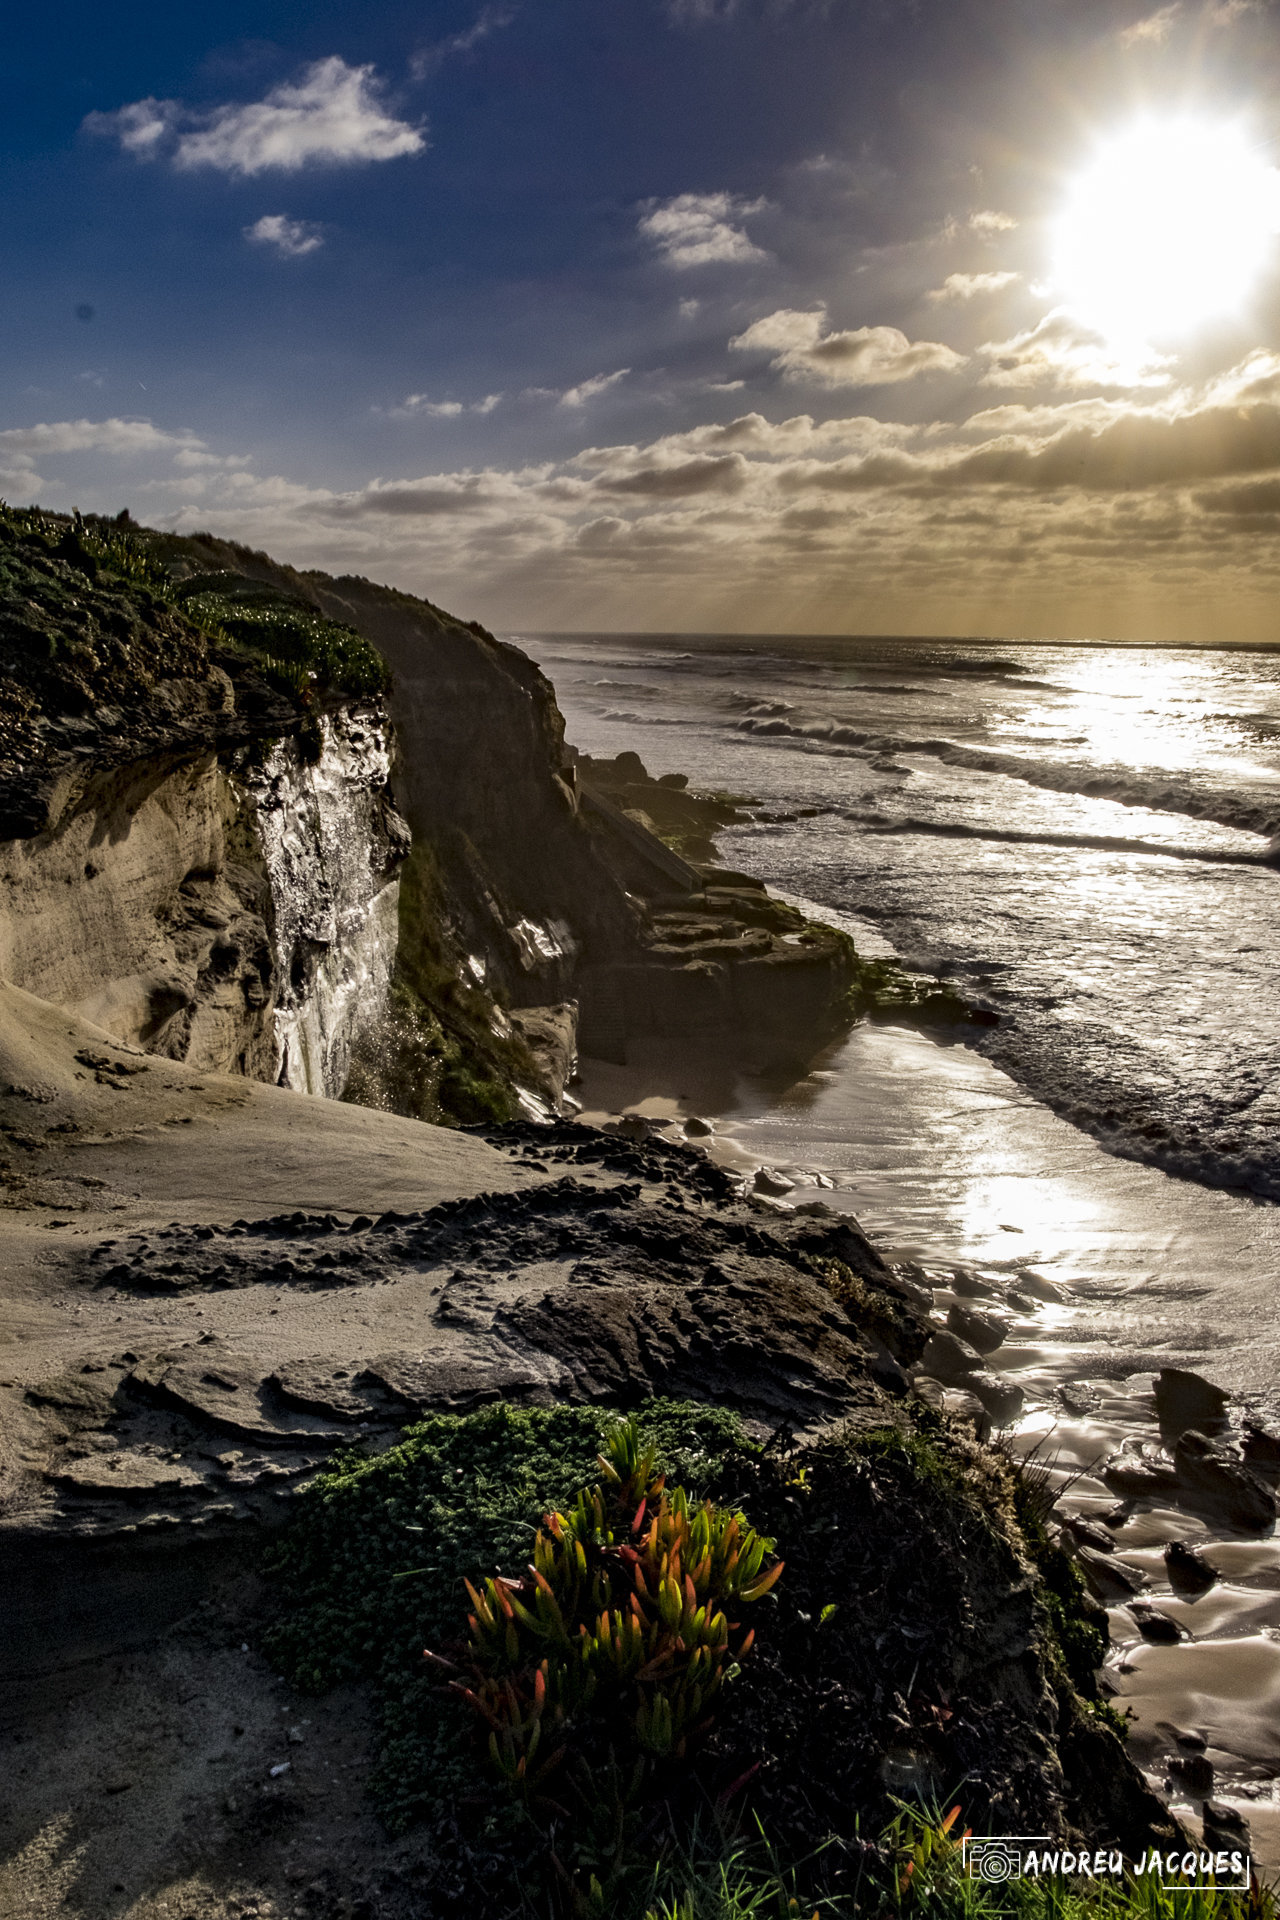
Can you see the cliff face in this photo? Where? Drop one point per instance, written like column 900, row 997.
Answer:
column 531, row 904
column 200, row 862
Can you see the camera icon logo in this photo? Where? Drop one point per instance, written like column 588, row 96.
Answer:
column 994, row 1861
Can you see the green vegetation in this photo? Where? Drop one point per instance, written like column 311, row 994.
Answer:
column 616, row 1642
column 916, row 1866
column 103, row 600
column 292, row 645
column 372, row 1571
column 439, row 1057
column 543, row 1745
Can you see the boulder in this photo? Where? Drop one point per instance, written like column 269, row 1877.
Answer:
column 1002, row 1398
column 1225, row 1828
column 1192, row 1773
column 964, row 1406
column 769, row 1180
column 1261, row 1445
column 950, row 1359
column 1226, row 1487
column 985, row 1331
column 1185, row 1400
column 1133, row 1475
column 1088, row 1535
column 1109, row 1580
column 1189, row 1571
column 1153, row 1625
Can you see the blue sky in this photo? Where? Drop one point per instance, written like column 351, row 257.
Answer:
column 661, row 313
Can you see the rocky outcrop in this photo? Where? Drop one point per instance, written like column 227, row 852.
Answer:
column 200, row 863
column 630, row 1269
column 233, row 910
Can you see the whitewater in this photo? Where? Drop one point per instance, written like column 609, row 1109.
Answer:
column 1082, row 839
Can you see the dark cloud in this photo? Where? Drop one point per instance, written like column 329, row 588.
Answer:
column 723, row 473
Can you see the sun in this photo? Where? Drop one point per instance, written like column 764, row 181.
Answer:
column 1169, row 226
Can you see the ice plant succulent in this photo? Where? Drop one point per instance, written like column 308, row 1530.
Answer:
column 618, row 1638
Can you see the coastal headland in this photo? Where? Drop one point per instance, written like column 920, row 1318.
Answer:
column 306, row 911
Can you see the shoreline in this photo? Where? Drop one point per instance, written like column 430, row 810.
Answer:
column 1087, row 1392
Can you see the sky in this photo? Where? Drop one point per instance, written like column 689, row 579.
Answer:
column 866, row 316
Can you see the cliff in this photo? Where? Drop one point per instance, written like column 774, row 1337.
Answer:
column 535, row 916
column 198, row 850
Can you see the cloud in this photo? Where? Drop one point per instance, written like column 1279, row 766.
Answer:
column 966, row 286
column 140, row 128
column 599, row 383
column 722, row 473
column 1059, row 352
column 115, row 436
column 420, row 405
column 694, row 12
column 989, row 222
column 489, row 20
column 1154, row 30
column 861, row 357
column 698, row 230
column 292, row 238
column 332, row 115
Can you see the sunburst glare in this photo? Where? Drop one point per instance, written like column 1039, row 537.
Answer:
column 1169, row 226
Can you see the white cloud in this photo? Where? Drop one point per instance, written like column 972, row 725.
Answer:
column 489, row 20
column 989, row 222
column 422, row 406
column 599, row 383
column 966, row 286
column 1154, row 30
column 332, row 115
column 689, row 308
column 292, row 238
column 698, row 230
column 860, row 357
column 1059, row 352
column 116, row 436
column 140, row 128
